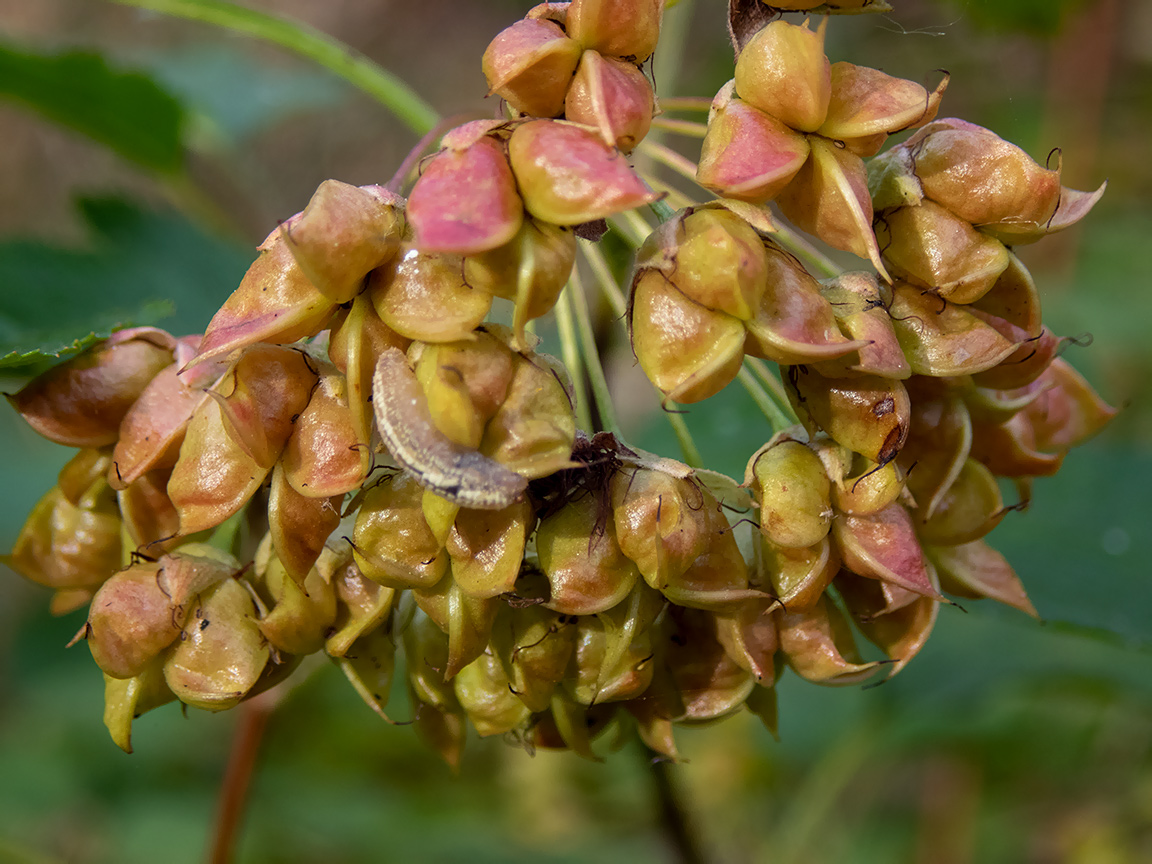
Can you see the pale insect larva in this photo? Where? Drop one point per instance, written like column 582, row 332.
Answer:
column 460, row 474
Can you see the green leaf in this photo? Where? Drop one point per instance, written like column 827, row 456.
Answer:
column 125, row 111
column 388, row 89
column 140, row 267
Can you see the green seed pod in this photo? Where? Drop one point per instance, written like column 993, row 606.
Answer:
column 582, row 560
column 533, row 431
column 860, row 303
column 223, row 653
column 688, row 351
column 300, row 613
column 970, row 508
column 869, row 415
column 798, row 577
column 938, row 444
column 662, row 522
column 749, row 638
column 66, row 545
column 369, row 664
column 486, row 696
column 125, row 699
column 534, row 645
column 466, row 620
column 142, row 610
column 783, row 71
column 597, row 679
column 465, row 383
column 486, row 548
column 392, row 543
column 789, row 483
column 423, row 295
column 866, row 106
column 149, row 515
column 361, row 604
column 793, row 322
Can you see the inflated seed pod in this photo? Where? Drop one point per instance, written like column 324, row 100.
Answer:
column 223, row 654
column 392, row 542
column 369, row 664
column 325, row 455
column 299, row 613
column 748, row 154
column 534, row 645
column 662, row 522
column 793, row 323
column 361, row 604
column 931, row 247
column 439, row 719
column 486, row 695
column 618, row 28
column 465, row 199
column 299, row 526
column 275, row 302
column 970, row 508
column 142, row 610
column 467, row 621
column 486, row 548
column 710, row 682
column 533, row 431
column 70, row 544
column 797, row 577
column 148, row 513
column 81, row 402
column 530, row 65
column 568, row 176
column 613, row 96
column 424, row 295
column 749, row 637
column 784, row 72
column 790, row 484
column 580, row 556
column 343, row 233
column 860, row 303
column 603, row 675
column 713, row 257
column 819, row 647
column 688, row 351
column 885, row 546
column 869, row 415
column 899, row 632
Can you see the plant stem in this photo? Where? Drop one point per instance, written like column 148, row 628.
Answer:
column 686, row 103
column 383, row 86
column 570, row 352
column 688, row 448
column 600, row 392
column 805, row 251
column 668, row 157
column 249, row 732
column 776, row 418
column 603, row 273
column 682, row 127
column 772, row 384
column 676, row 823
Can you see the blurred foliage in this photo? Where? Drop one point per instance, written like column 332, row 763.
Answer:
column 1004, row 741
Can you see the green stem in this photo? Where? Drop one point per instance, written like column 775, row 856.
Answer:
column 682, row 127
column 772, row 384
column 570, row 352
column 669, row 158
column 600, row 393
column 686, row 103
column 776, row 418
column 805, row 251
column 688, row 448
column 603, row 273
column 386, row 88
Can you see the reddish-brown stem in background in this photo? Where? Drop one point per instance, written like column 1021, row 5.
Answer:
column 246, row 740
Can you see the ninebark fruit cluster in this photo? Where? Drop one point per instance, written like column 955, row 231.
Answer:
column 354, row 461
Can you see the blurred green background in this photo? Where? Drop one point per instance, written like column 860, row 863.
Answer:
column 1006, row 740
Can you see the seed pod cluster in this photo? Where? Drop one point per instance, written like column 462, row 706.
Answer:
column 354, row 460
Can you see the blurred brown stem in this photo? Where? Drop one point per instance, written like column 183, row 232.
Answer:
column 246, row 740
column 676, row 823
